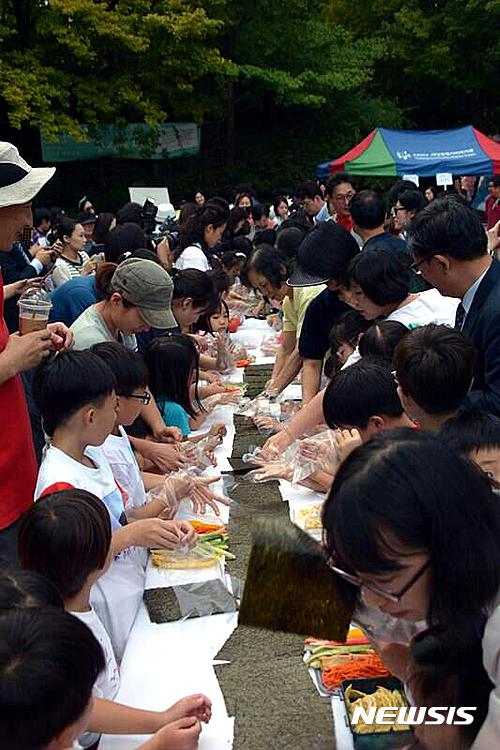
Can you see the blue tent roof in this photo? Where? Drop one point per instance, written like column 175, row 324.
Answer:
column 425, row 153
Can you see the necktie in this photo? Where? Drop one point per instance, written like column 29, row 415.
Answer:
column 459, row 317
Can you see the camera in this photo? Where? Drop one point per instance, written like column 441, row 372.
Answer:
column 169, row 230
column 51, row 237
column 148, row 217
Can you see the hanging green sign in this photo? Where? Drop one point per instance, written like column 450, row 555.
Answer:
column 134, row 141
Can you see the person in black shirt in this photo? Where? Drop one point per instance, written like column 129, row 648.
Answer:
column 323, row 258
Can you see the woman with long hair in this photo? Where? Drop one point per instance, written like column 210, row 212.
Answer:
column 413, row 530
column 200, row 234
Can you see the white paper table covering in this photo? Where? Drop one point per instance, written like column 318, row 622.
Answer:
column 163, row 663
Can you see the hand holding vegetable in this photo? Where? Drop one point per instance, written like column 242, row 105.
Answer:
column 156, row 532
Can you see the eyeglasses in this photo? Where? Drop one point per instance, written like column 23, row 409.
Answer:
column 415, row 267
column 344, row 198
column 391, row 596
column 395, row 209
column 144, row 397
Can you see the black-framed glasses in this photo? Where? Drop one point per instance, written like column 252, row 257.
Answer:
column 390, row 595
column 415, row 266
column 395, row 209
column 144, row 397
column 344, row 198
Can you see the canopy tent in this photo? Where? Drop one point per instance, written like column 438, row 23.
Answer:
column 425, row 153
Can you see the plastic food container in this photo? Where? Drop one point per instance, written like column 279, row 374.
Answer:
column 376, row 740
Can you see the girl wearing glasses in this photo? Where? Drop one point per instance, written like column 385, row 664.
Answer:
column 415, row 530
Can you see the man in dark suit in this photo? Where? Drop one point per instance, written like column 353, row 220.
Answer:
column 450, row 249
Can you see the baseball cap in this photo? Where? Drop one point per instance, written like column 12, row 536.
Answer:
column 323, row 254
column 148, row 286
column 86, row 217
column 19, row 182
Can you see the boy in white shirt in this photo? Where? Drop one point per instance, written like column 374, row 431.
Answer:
column 75, row 392
column 66, row 537
column 131, row 396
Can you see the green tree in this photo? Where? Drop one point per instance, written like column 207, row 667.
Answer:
column 68, row 62
column 442, row 57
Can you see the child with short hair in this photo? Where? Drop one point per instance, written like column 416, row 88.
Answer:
column 66, row 537
column 75, row 392
column 49, row 663
column 218, row 320
column 476, row 434
column 21, row 589
column 343, row 339
column 434, row 368
column 363, row 399
column 443, row 673
column 381, row 339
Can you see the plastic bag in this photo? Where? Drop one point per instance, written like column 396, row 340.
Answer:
column 260, row 406
column 225, row 358
column 270, row 472
column 171, row 491
column 310, row 455
column 270, row 345
column 267, row 425
column 188, row 600
column 230, row 398
column 183, row 559
column 204, row 598
column 204, row 499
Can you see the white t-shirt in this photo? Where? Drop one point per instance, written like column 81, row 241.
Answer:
column 90, row 328
column 107, row 684
column 489, row 734
column 127, row 474
column 116, row 596
column 193, row 257
column 429, row 307
column 125, row 468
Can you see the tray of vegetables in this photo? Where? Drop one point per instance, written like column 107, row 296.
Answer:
column 330, row 663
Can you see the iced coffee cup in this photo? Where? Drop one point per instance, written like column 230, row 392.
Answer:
column 34, row 311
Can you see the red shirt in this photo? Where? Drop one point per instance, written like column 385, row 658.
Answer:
column 18, row 467
column 492, row 206
column 344, row 221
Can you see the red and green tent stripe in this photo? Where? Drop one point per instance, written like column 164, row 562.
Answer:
column 389, row 153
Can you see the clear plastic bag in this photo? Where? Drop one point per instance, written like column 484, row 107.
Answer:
column 313, row 454
column 225, row 358
column 171, row 491
column 270, row 472
column 204, row 598
column 183, row 558
column 261, row 406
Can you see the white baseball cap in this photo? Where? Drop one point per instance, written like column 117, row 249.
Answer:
column 19, row 182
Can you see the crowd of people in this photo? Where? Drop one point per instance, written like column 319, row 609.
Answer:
column 386, row 308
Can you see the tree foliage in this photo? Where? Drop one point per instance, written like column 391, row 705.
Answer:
column 442, row 56
column 278, row 84
column 67, row 62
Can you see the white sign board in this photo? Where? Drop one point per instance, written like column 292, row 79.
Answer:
column 412, row 178
column 444, row 178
